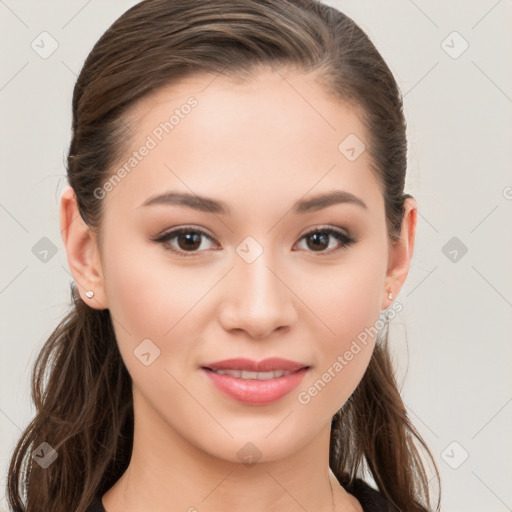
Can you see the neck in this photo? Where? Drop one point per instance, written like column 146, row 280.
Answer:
column 168, row 474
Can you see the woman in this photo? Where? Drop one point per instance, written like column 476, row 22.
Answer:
column 237, row 230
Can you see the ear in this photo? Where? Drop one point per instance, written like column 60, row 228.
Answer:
column 400, row 253
column 82, row 251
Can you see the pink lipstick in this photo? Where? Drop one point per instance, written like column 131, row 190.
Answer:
column 256, row 382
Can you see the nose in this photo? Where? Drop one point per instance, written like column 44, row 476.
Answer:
column 256, row 299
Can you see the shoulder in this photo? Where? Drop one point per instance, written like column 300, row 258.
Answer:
column 96, row 505
column 370, row 499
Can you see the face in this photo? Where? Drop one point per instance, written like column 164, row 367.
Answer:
column 252, row 275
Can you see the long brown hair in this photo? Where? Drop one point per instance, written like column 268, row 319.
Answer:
column 80, row 386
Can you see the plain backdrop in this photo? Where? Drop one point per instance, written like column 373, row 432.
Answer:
column 451, row 343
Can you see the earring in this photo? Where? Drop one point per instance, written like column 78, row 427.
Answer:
column 390, row 295
column 89, row 294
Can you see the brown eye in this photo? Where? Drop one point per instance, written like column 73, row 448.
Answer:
column 188, row 240
column 319, row 240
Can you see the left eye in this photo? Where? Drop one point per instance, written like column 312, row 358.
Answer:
column 320, row 237
column 189, row 240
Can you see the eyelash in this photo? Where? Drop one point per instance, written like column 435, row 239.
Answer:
column 346, row 240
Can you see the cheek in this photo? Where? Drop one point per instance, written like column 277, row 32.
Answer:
column 342, row 357
column 349, row 305
column 345, row 301
column 152, row 298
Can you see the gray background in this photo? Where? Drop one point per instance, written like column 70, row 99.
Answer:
column 451, row 342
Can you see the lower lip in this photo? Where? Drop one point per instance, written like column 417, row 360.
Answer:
column 256, row 392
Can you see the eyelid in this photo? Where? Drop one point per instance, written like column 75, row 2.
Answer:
column 325, row 228
column 180, row 229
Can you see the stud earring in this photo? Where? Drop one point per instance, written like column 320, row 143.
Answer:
column 89, row 294
column 390, row 296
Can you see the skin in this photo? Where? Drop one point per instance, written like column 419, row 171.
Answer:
column 278, row 135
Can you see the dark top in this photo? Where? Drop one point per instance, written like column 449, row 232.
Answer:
column 370, row 499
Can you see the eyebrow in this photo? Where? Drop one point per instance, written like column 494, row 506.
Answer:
column 209, row 205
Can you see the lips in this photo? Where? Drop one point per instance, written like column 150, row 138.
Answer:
column 244, row 374
column 255, row 382
column 267, row 365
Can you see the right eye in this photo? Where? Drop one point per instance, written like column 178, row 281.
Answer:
column 188, row 240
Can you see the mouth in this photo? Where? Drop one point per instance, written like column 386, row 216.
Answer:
column 247, row 375
column 255, row 383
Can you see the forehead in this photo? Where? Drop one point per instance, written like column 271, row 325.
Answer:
column 278, row 135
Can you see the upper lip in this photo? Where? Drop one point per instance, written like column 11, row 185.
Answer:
column 266, row 365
